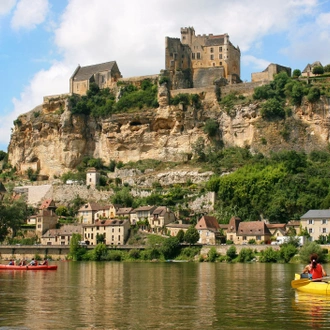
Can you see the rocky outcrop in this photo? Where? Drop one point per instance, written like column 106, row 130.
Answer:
column 55, row 140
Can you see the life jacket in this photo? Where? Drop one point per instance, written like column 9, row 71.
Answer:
column 316, row 272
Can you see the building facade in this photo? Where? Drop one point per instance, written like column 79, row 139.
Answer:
column 199, row 60
column 316, row 222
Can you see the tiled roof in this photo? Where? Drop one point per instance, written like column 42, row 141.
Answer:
column 207, row 222
column 124, row 210
column 160, row 210
column 316, row 214
column 144, row 208
column 107, row 223
column 178, row 225
column 233, row 224
column 86, row 72
column 46, row 203
column 252, row 228
column 215, row 41
column 293, row 223
column 276, row 225
column 66, row 230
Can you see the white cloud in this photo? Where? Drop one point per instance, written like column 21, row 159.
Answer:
column 133, row 34
column 28, row 14
column 6, row 6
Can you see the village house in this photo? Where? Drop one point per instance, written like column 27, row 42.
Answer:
column 61, row 236
column 142, row 213
column 253, row 230
column 308, row 71
column 174, row 228
column 209, row 230
column 86, row 214
column 124, row 212
column 115, row 232
column 104, row 75
column 277, row 229
column 161, row 216
column 316, row 222
column 294, row 226
column 46, row 218
column 107, row 211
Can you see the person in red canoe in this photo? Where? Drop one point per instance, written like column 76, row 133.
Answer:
column 33, row 262
column 22, row 263
column 315, row 270
column 11, row 262
column 45, row 262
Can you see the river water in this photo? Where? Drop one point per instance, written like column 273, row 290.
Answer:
column 110, row 295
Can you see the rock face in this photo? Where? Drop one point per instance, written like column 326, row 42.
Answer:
column 53, row 140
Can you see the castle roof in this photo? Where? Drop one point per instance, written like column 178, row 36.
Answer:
column 86, row 72
column 215, row 41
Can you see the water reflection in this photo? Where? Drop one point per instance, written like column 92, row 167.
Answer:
column 157, row 296
column 312, row 307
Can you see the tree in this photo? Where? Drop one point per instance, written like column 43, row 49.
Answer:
column 191, row 236
column 170, row 247
column 272, row 108
column 318, row 69
column 313, row 94
column 100, row 238
column 12, row 216
column 296, row 73
column 61, row 211
column 180, row 236
column 74, row 246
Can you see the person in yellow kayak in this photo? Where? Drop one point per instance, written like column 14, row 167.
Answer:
column 314, row 270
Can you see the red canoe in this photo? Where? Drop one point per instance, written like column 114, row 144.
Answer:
column 39, row 267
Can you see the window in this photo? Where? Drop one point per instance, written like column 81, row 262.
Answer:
column 324, row 230
column 244, row 238
column 193, row 56
column 324, row 221
column 211, row 50
column 310, row 222
column 112, row 237
column 220, row 49
column 310, row 230
column 212, row 57
column 118, row 237
column 220, row 56
column 113, row 230
column 220, row 63
column 198, row 56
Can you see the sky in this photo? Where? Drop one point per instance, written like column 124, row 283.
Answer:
column 43, row 41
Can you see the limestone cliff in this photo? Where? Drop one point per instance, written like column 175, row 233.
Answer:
column 54, row 140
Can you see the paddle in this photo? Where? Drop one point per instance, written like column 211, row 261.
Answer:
column 304, row 281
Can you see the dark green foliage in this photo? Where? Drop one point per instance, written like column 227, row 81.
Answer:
column 211, row 127
column 191, row 236
column 3, row 155
column 180, row 236
column 287, row 251
column 308, row 249
column 313, row 94
column 326, row 68
column 164, row 80
column 231, row 252
column 269, row 255
column 246, row 255
column 181, row 99
column 263, row 93
column 296, row 73
column 272, row 108
column 123, row 197
column 318, row 70
column 170, row 248
column 212, row 255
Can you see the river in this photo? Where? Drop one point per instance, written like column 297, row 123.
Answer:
column 111, row 295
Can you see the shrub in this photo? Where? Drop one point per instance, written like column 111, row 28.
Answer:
column 212, row 255
column 231, row 252
column 272, row 108
column 245, row 255
column 287, row 252
column 211, row 127
column 269, row 255
column 308, row 249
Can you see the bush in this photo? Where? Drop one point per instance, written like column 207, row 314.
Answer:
column 212, row 255
column 245, row 255
column 272, row 108
column 287, row 252
column 231, row 253
column 269, row 255
column 308, row 249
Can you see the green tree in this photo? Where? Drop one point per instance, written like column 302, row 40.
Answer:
column 313, row 94
column 245, row 255
column 296, row 73
column 74, row 247
column 191, row 236
column 231, row 252
column 180, row 236
column 170, row 247
column 272, row 108
column 318, row 69
column 100, row 238
column 308, row 249
column 61, row 211
column 212, row 254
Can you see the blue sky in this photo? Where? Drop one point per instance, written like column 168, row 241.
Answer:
column 43, row 41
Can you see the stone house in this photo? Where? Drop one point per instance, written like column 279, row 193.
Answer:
column 277, row 229
column 269, row 73
column 115, row 231
column 174, row 228
column 295, row 225
column 249, row 230
column 316, row 222
column 124, row 212
column 86, row 214
column 161, row 216
column 46, row 218
column 199, row 60
column 61, row 236
column 209, row 230
column 92, row 177
column 232, row 229
column 308, row 71
column 104, row 75
column 107, row 212
column 142, row 213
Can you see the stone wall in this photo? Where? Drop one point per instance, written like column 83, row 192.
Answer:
column 206, row 76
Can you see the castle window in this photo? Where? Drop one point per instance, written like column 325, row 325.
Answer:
column 220, row 56
column 211, row 50
column 220, row 49
column 172, row 63
column 193, row 56
column 212, row 57
column 175, row 56
column 220, row 63
column 198, row 56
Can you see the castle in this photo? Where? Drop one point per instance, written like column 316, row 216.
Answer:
column 200, row 60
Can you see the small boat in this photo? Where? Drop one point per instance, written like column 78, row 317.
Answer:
column 39, row 267
column 318, row 286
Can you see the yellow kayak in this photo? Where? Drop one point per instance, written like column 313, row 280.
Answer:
column 319, row 286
